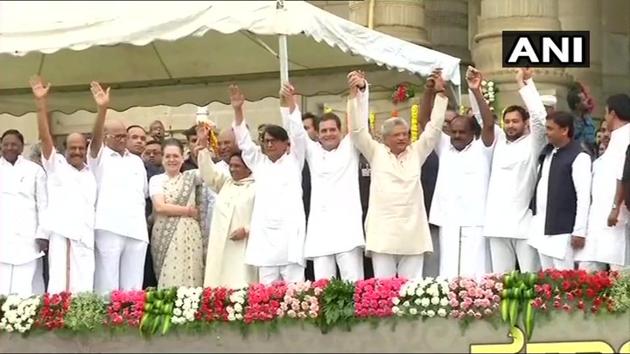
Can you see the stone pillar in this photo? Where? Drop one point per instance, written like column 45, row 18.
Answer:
column 447, row 25
column 402, row 19
column 498, row 15
column 615, row 48
column 586, row 15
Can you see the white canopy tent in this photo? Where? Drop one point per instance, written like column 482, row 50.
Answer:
column 177, row 52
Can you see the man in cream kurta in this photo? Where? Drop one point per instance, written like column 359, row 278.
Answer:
column 512, row 181
column 397, row 232
column 276, row 239
column 23, row 199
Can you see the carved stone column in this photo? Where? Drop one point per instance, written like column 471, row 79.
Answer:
column 499, row 15
column 403, row 19
column 586, row 15
column 615, row 58
column 447, row 24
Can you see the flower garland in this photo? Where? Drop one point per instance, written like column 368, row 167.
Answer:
column 372, row 121
column 470, row 299
column 214, row 303
column 186, row 305
column 375, row 297
column 126, row 308
column 489, row 90
column 19, row 314
column 414, row 122
column 263, row 302
column 301, row 300
column 425, row 298
column 236, row 306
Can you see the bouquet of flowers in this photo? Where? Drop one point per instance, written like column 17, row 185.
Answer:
column 470, row 299
column 53, row 310
column 186, row 305
column 374, row 297
column 263, row 302
column 126, row 308
column 301, row 300
column 214, row 302
column 426, row 298
column 19, row 314
column 87, row 312
column 402, row 93
column 236, row 305
column 489, row 90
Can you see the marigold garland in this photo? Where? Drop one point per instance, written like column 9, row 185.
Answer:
column 414, row 122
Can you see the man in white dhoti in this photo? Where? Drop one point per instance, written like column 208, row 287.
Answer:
column 562, row 195
column 397, row 231
column 121, row 235
column 606, row 240
column 334, row 234
column 276, row 238
column 23, row 200
column 512, row 181
column 459, row 202
column 71, row 205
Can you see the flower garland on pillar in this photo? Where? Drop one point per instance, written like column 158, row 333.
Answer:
column 372, row 121
column 414, row 122
column 489, row 90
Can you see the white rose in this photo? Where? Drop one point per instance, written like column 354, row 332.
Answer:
column 179, row 303
column 435, row 300
column 406, row 304
column 190, row 317
column 177, row 312
column 396, row 309
column 410, row 291
column 413, row 311
column 395, row 301
column 239, row 317
column 484, row 82
column 423, row 313
column 431, row 313
column 428, row 279
column 238, row 308
column 441, row 312
column 444, row 302
column 490, row 83
column 419, row 292
column 231, row 317
column 426, row 302
column 418, row 302
column 230, row 309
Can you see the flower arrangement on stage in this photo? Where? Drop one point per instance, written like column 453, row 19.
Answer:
column 423, row 298
column 402, row 93
column 326, row 304
column 489, row 91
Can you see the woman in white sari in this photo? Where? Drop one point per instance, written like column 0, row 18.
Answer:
column 225, row 260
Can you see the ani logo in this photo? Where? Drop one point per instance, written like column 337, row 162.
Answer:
column 546, row 49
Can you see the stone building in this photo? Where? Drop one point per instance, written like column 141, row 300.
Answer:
column 468, row 29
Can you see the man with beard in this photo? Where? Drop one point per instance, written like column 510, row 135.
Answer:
column 512, row 181
column 157, row 131
column 137, row 140
column 71, row 205
column 22, row 204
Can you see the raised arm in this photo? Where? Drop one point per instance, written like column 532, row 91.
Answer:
column 40, row 92
column 358, row 115
column 474, row 78
column 535, row 107
column 432, row 133
column 426, row 104
column 101, row 97
column 292, row 122
column 252, row 155
column 210, row 174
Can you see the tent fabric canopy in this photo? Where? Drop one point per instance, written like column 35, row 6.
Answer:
column 180, row 52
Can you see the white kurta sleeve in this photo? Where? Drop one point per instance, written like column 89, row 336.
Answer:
column 156, row 185
column 432, row 134
column 358, row 117
column 95, row 162
column 252, row 155
column 292, row 122
column 41, row 196
column 50, row 164
column 537, row 115
column 475, row 107
column 581, row 174
column 213, row 177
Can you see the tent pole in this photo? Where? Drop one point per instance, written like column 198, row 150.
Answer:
column 282, row 50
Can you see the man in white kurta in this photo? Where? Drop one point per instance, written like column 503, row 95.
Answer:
column 459, row 201
column 276, row 238
column 23, row 199
column 334, row 235
column 512, row 182
column 607, row 245
column 121, row 236
column 397, row 231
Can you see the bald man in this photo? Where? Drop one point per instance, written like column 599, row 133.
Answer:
column 121, row 235
column 227, row 147
column 69, row 218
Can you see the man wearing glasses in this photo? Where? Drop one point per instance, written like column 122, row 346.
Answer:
column 121, row 236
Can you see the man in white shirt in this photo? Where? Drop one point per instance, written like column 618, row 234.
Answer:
column 397, row 232
column 137, row 139
column 71, row 205
column 459, row 202
column 562, row 195
column 512, row 181
column 334, row 234
column 23, row 200
column 121, row 235
column 607, row 237
column 276, row 239
column 227, row 147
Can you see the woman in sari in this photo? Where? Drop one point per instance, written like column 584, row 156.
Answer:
column 225, row 260
column 176, row 242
